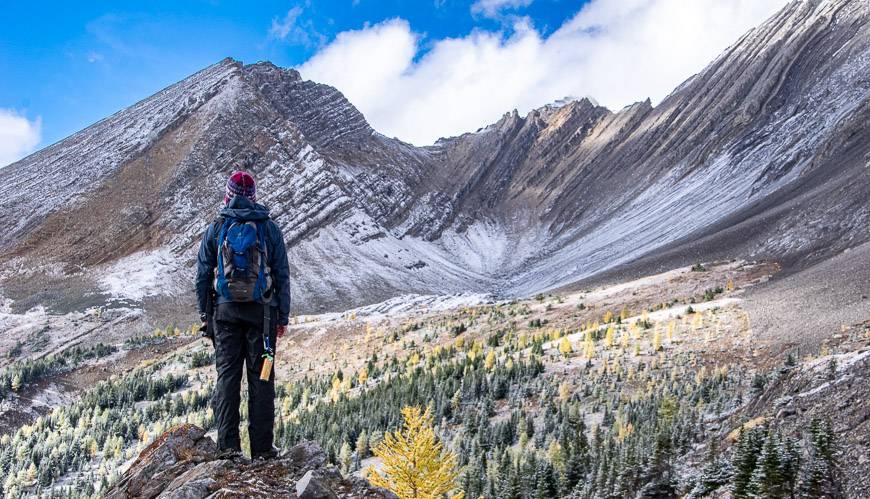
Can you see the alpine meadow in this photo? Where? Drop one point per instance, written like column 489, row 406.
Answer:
column 238, row 287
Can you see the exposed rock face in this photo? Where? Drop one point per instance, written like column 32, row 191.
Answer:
column 763, row 154
column 184, row 463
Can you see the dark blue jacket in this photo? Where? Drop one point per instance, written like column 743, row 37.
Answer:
column 242, row 208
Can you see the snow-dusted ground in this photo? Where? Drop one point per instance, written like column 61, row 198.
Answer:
column 400, row 306
column 406, row 304
column 142, row 274
column 61, row 331
column 657, row 316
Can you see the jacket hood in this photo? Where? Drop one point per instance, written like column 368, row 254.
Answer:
column 243, row 208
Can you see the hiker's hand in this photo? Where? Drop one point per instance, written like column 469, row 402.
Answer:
column 280, row 330
column 203, row 327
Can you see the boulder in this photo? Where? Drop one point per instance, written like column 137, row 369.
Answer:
column 309, row 487
column 183, row 463
column 168, row 457
column 305, row 454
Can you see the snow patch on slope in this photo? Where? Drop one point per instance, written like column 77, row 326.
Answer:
column 142, row 274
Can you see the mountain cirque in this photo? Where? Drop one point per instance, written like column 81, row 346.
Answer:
column 763, row 155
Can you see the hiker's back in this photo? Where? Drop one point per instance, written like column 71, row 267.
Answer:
column 243, row 267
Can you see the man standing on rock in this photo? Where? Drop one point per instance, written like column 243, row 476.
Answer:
column 243, row 275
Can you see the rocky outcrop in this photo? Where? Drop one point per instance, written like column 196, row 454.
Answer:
column 184, row 463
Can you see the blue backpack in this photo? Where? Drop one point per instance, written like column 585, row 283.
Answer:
column 243, row 273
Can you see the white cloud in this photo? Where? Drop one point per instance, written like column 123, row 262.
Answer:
column 18, row 136
column 291, row 28
column 281, row 28
column 492, row 8
column 616, row 51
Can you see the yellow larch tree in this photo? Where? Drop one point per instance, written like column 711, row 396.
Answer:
column 522, row 341
column 556, row 456
column 565, row 347
column 489, row 362
column 475, row 352
column 30, row 474
column 413, row 360
column 635, row 331
column 624, row 431
column 589, row 345
column 415, row 463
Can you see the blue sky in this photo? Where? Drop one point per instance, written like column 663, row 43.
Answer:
column 65, row 65
column 73, row 63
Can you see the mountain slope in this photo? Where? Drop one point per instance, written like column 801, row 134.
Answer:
column 763, row 154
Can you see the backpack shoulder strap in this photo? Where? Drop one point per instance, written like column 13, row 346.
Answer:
column 216, row 225
column 220, row 225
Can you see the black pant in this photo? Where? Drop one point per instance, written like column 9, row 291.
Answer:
column 238, row 340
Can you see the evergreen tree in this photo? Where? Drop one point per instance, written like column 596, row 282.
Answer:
column 362, row 448
column 716, row 472
column 575, row 469
column 790, row 462
column 821, row 476
column 658, row 474
column 345, row 457
column 528, row 475
column 766, row 480
column 743, row 462
column 472, row 481
column 511, row 488
column 545, row 481
column 504, row 474
column 628, row 475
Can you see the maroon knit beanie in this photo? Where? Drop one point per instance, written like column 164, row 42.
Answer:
column 241, row 184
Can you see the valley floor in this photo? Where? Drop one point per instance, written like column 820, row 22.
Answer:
column 661, row 386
